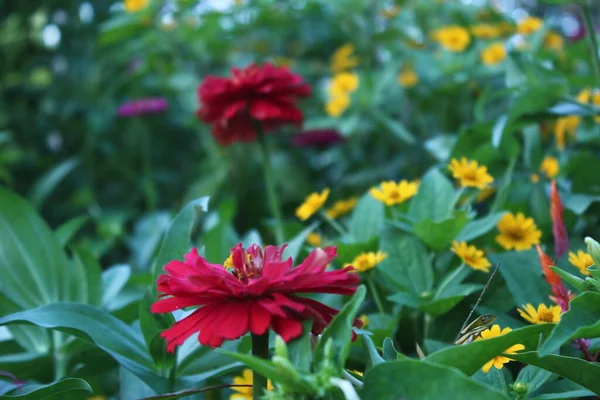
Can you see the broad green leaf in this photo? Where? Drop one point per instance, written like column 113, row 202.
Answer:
column 416, row 380
column 374, row 357
column 479, row 227
column 91, row 280
column 579, row 203
column 99, row 327
column 450, row 298
column 367, row 219
column 114, row 280
column 340, row 330
column 132, row 387
column 579, row 371
column 396, row 127
column 532, row 150
column 202, row 363
column 573, row 280
column 561, row 389
column 505, row 186
column 581, row 321
column 435, row 199
column 184, row 393
column 534, row 377
column 469, row 358
column 66, row 389
column 66, row 231
column 152, row 325
column 408, row 264
column 295, row 245
column 177, row 241
column 523, row 275
column 33, row 267
column 300, row 349
column 44, row 186
column 439, row 235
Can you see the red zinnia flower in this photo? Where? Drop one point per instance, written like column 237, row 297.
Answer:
column 264, row 95
column 257, row 292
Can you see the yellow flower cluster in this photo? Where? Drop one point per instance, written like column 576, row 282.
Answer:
column 567, row 126
column 452, row 38
column 550, row 167
column 470, row 174
column 135, row 5
column 391, row 193
column 313, row 203
column 485, row 31
column 581, row 261
column 471, row 256
column 407, row 77
column 493, row 54
column 529, row 25
column 543, row 314
column 341, row 87
column 341, row 207
column 553, row 41
column 343, row 59
column 517, row 232
column 367, row 261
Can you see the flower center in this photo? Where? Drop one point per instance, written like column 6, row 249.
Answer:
column 394, row 195
column 546, row 316
column 516, row 234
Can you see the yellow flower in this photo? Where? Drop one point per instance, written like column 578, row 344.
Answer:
column 453, row 38
column 312, row 204
column 343, row 84
column 408, row 78
column 498, row 361
column 581, row 261
column 471, row 256
column 565, row 126
column 245, row 392
column 485, row 31
column 314, row 239
column 553, row 41
column 550, row 167
column 529, row 25
column 517, row 232
column 470, row 174
column 543, row 314
column 337, row 105
column 365, row 321
column 341, row 207
column 135, row 5
column 367, row 261
column 587, row 96
column 505, row 28
column 343, row 59
column 535, row 178
column 493, row 54
column 392, row 193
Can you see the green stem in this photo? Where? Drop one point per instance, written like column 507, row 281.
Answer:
column 334, row 224
column 173, row 375
column 148, row 186
column 375, row 293
column 591, row 34
column 60, row 359
column 260, row 349
column 427, row 320
column 502, row 380
column 270, row 184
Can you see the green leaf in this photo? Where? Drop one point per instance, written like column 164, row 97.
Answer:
column 34, row 269
column 202, row 363
column 389, row 351
column 469, row 358
column 295, row 245
column 581, row 321
column 367, row 219
column 66, row 389
column 105, row 331
column 152, row 325
column 579, row 203
column 523, row 276
column 439, row 235
column 44, row 186
column 450, row 299
column 114, row 280
column 534, row 377
column 435, row 199
column 573, row 280
column 396, row 127
column 416, row 380
column 579, row 371
column 479, row 227
column 340, row 330
column 90, row 275
column 300, row 349
column 374, row 357
column 177, row 241
column 408, row 264
column 66, row 231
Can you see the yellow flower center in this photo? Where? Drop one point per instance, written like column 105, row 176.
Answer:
column 546, row 316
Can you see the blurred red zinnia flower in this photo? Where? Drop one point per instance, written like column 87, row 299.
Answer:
column 265, row 95
column 253, row 292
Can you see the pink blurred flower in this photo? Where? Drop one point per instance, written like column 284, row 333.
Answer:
column 143, row 106
column 318, row 137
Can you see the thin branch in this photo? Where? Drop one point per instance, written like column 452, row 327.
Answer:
column 478, row 300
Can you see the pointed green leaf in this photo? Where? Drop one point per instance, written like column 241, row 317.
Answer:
column 367, row 219
column 66, row 389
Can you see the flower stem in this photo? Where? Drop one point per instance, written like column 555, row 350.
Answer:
column 260, row 349
column 334, row 224
column 270, row 184
column 375, row 294
column 591, row 34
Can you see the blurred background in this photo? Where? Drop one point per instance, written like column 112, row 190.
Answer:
column 98, row 102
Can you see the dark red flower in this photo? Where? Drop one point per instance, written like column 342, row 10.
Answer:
column 265, row 95
column 254, row 292
column 317, row 138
